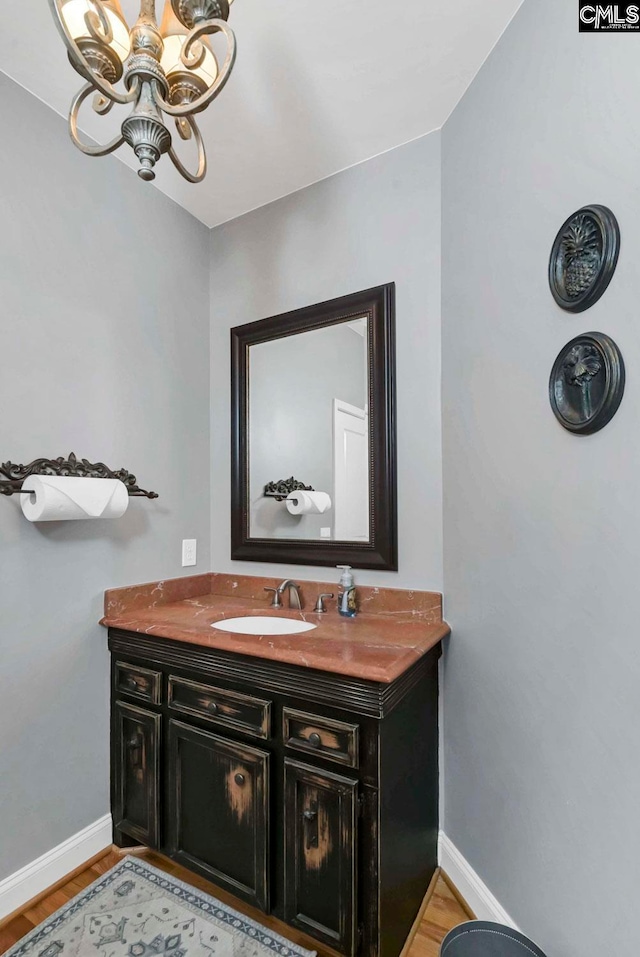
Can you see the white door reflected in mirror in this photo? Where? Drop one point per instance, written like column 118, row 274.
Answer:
column 309, row 397
column 350, row 472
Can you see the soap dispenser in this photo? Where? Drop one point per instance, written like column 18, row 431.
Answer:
column 347, row 595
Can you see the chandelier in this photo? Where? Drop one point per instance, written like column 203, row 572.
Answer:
column 168, row 71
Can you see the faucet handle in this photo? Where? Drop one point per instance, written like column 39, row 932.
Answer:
column 277, row 601
column 320, row 608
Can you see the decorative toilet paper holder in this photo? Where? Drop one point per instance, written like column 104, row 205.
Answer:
column 12, row 476
column 282, row 489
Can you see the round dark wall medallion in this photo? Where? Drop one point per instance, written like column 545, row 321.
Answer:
column 587, row 383
column 584, row 258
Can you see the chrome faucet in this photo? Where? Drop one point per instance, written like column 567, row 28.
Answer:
column 295, row 599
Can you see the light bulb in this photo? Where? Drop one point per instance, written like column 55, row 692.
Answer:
column 172, row 63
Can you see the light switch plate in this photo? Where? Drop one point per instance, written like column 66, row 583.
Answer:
column 189, row 552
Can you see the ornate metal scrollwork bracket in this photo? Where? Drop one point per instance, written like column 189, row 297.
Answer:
column 12, row 476
column 282, row 489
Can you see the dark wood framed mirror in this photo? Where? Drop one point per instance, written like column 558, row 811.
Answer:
column 313, row 435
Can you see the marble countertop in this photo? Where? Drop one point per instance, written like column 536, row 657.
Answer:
column 393, row 629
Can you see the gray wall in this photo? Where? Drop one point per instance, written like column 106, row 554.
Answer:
column 104, row 293
column 375, row 223
column 542, row 528
column 292, row 385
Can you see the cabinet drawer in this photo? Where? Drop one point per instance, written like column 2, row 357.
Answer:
column 136, row 682
column 334, row 740
column 230, row 709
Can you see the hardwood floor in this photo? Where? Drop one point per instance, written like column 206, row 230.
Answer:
column 443, row 912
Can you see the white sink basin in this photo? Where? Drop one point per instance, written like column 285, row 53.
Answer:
column 263, row 626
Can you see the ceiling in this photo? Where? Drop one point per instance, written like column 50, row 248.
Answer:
column 317, row 87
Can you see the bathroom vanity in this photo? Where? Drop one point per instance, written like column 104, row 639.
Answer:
column 298, row 772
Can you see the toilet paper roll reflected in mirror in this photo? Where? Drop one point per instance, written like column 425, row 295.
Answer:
column 59, row 498
column 308, row 503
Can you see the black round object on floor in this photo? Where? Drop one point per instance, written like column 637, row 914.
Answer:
column 483, row 938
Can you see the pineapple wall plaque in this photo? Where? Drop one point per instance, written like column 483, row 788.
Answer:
column 584, row 258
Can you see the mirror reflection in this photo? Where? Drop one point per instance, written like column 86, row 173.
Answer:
column 309, row 436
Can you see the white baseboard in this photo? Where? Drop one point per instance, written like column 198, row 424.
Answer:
column 476, row 893
column 31, row 880
column 19, row 888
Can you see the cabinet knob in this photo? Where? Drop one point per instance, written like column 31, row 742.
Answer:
column 132, row 683
column 309, row 815
column 315, row 740
column 240, row 779
column 212, row 707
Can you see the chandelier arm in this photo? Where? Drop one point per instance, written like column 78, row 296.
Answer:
column 202, row 156
column 101, row 105
column 98, row 25
column 77, row 102
column 78, row 58
column 203, row 101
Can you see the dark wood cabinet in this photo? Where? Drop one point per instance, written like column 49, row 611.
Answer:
column 311, row 796
column 136, row 773
column 218, row 811
column 320, row 820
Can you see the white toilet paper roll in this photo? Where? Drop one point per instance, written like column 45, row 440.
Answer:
column 57, row 498
column 308, row 503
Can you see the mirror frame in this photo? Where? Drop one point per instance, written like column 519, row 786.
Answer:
column 381, row 552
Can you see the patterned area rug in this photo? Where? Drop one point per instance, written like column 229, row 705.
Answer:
column 135, row 910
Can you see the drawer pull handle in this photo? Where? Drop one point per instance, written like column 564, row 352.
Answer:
column 240, row 780
column 315, row 740
column 311, row 818
column 136, row 749
column 212, row 707
column 132, row 683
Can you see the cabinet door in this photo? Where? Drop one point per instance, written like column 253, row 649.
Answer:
column 136, row 773
column 218, row 810
column 320, row 854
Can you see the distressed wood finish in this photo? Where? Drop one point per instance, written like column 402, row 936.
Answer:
column 334, row 740
column 320, row 833
column 238, row 712
column 409, row 844
column 320, row 854
column 138, row 683
column 136, row 777
column 218, row 810
column 357, row 695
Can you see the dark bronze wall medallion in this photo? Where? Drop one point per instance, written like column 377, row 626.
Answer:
column 584, row 258
column 587, row 383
